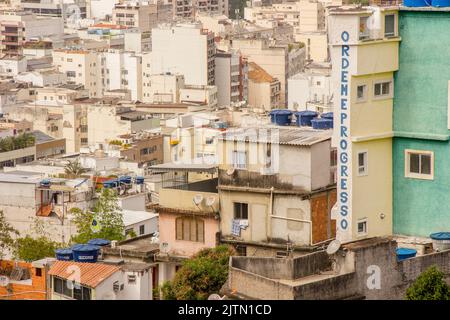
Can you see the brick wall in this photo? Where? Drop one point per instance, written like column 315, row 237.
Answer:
column 323, row 228
column 19, row 291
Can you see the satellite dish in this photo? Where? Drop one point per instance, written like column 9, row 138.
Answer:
column 333, row 247
column 230, row 171
column 4, row 281
column 198, row 198
column 164, row 247
column 210, row 201
column 215, row 296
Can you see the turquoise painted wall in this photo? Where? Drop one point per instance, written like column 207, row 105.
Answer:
column 420, row 107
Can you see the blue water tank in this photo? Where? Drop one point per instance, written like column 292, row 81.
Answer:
column 281, row 117
column 64, row 254
column 440, row 3
column 125, row 179
column 45, row 183
column 417, row 3
column 85, row 252
column 110, row 184
column 139, row 180
column 327, row 115
column 322, row 124
column 405, row 253
column 99, row 242
column 303, row 118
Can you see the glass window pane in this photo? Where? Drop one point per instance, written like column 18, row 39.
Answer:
column 77, row 293
column 66, row 290
column 86, row 293
column 57, row 285
column 360, row 92
column 377, row 89
column 385, row 88
column 361, row 159
column 245, row 211
column 389, row 25
column 414, row 159
column 425, row 164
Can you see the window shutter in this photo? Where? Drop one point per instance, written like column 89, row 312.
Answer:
column 186, row 229
column 193, row 227
column 179, row 228
column 200, row 231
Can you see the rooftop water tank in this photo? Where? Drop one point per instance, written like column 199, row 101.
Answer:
column 139, row 180
column 45, row 183
column 281, row 117
column 64, row 254
column 303, row 118
column 99, row 242
column 85, row 253
column 327, row 115
column 110, row 183
column 405, row 253
column 440, row 3
column 417, row 3
column 125, row 179
column 441, row 241
column 322, row 124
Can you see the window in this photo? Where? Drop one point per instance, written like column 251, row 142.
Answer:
column 363, row 29
column 190, row 229
column 361, row 93
column 69, row 60
column 362, row 227
column 239, row 159
column 241, row 250
column 382, row 89
column 129, row 231
column 419, row 164
column 71, row 74
column 363, row 166
column 389, row 25
column 241, row 211
column 38, row 272
column 141, row 229
column 131, row 278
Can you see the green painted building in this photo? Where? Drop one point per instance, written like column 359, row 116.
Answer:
column 421, row 148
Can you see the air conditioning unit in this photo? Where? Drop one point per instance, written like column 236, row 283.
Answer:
column 116, row 286
column 282, row 254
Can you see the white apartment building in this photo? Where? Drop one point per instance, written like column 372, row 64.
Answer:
column 202, row 95
column 12, row 65
column 311, row 89
column 100, row 9
column 18, row 27
column 186, row 49
column 163, row 88
column 42, row 78
column 231, row 74
column 68, row 11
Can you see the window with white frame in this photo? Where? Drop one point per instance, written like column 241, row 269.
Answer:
column 382, row 89
column 361, row 93
column 239, row 159
column 419, row 164
column 363, row 28
column 363, row 163
column 362, row 227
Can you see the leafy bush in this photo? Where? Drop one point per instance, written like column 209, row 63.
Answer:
column 200, row 276
column 32, row 249
column 430, row 285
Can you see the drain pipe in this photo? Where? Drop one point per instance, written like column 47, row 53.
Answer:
column 269, row 227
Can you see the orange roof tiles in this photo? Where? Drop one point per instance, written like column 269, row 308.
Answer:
column 92, row 274
column 258, row 74
column 109, row 26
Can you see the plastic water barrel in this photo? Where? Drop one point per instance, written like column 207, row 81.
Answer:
column 125, row 179
column 440, row 3
column 85, row 253
column 64, row 254
column 417, row 3
column 327, row 115
column 441, row 241
column 405, row 253
column 281, row 117
column 45, row 183
column 99, row 242
column 322, row 124
column 303, row 118
column 139, row 180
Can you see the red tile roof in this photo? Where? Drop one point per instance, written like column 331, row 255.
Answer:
column 91, row 274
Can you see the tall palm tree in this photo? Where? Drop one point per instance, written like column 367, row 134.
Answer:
column 74, row 168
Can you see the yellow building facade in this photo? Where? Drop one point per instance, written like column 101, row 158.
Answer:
column 364, row 52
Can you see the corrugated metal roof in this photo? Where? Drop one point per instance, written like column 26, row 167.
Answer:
column 91, row 274
column 278, row 135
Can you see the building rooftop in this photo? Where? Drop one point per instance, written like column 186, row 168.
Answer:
column 132, row 216
column 91, row 274
column 21, row 177
column 293, row 136
column 197, row 165
column 258, row 74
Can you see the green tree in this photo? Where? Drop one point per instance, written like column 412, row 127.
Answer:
column 108, row 215
column 74, row 168
column 200, row 276
column 7, row 233
column 32, row 249
column 36, row 244
column 430, row 285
